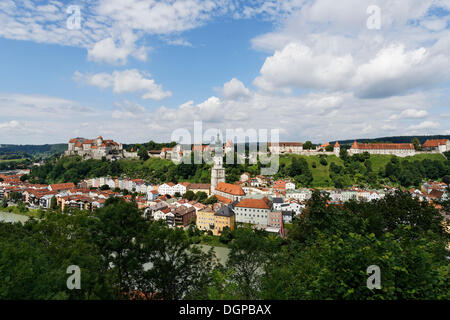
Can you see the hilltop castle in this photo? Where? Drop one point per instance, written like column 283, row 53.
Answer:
column 97, row 149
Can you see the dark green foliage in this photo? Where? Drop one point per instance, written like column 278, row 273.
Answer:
column 325, row 256
column 330, row 249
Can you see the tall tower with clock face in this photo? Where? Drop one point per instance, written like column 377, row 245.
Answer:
column 217, row 171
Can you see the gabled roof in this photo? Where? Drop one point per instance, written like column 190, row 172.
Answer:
column 287, row 144
column 223, row 199
column 382, row 146
column 229, row 188
column 62, row 186
column 253, row 203
column 434, row 143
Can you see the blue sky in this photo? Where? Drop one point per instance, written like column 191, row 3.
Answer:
column 139, row 70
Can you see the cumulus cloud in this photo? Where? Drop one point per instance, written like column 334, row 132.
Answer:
column 109, row 51
column 393, row 71
column 234, row 89
column 125, row 81
column 296, row 65
column 410, row 114
column 326, row 45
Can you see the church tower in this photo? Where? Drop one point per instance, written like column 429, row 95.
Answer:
column 217, row 172
column 337, row 149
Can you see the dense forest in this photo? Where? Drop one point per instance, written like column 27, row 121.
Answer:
column 10, row 151
column 325, row 255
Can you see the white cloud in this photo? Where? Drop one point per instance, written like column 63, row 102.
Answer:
column 393, row 71
column 9, row 125
column 410, row 114
column 425, row 125
column 110, row 29
column 125, row 81
column 434, row 24
column 326, row 45
column 234, row 89
column 297, row 65
column 315, row 116
column 108, row 51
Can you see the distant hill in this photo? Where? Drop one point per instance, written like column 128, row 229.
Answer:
column 29, row 151
column 398, row 139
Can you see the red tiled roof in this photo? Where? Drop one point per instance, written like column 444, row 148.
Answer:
column 223, row 199
column 62, row 186
column 253, row 203
column 383, row 146
column 230, row 189
column 434, row 143
column 287, row 144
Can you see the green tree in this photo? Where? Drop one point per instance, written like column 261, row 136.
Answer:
column 178, row 270
column 308, row 145
column 189, row 195
column 247, row 259
column 4, row 203
column 118, row 231
column 416, row 144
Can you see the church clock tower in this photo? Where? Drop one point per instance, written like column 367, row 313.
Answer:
column 217, row 171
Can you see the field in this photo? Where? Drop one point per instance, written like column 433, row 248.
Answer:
column 321, row 174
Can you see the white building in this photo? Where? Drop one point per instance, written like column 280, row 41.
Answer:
column 286, row 148
column 290, row 186
column 300, row 195
column 398, row 149
column 166, row 188
column 253, row 211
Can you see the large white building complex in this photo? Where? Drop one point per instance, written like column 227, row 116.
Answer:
column 398, row 149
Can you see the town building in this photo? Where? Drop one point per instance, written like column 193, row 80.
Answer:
column 440, row 145
column 286, row 148
column 253, row 211
column 217, row 171
column 398, row 149
column 224, row 217
column 228, row 193
column 200, row 187
column 184, row 215
column 206, row 219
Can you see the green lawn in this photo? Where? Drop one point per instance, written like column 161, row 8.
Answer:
column 321, row 174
